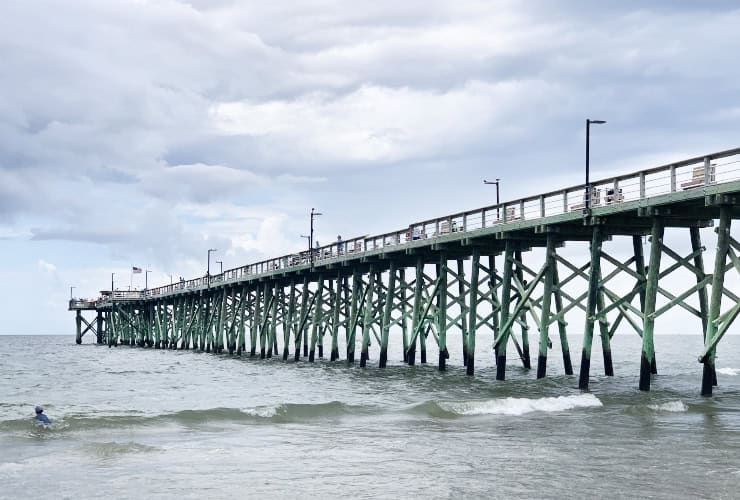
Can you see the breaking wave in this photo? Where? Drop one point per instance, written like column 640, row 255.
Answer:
column 282, row 413
column 507, row 406
column 672, row 406
column 729, row 371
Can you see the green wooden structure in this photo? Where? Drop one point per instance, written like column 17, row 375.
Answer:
column 437, row 276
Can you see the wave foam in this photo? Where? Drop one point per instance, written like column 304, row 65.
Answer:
column 674, row 406
column 520, row 406
column 729, row 371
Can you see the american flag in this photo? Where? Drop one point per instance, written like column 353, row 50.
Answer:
column 136, row 270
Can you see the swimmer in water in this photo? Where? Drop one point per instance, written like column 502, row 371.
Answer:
column 40, row 415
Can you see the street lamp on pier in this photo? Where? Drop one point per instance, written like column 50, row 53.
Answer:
column 498, row 210
column 70, row 291
column 208, row 271
column 111, row 282
column 587, row 199
column 310, row 241
column 146, row 279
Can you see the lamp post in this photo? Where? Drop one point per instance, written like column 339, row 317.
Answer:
column 587, row 199
column 111, row 282
column 498, row 210
column 146, row 279
column 310, row 241
column 170, row 279
column 221, row 264
column 208, row 271
column 70, row 291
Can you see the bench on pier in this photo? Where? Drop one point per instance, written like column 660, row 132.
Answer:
column 447, row 227
column 697, row 178
column 595, row 200
column 613, row 196
column 510, row 215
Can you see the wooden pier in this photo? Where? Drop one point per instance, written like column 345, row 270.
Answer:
column 417, row 283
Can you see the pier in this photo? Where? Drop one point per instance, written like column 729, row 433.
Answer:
column 471, row 271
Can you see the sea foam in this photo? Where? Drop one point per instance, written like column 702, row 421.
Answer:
column 673, row 406
column 520, row 406
column 729, row 371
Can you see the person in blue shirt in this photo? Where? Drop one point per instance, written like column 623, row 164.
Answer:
column 40, row 415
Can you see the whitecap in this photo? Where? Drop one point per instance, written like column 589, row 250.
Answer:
column 520, row 406
column 261, row 411
column 674, row 406
column 729, row 371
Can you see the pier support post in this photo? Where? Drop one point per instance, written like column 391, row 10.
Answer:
column 335, row 320
column 703, row 298
column 505, row 304
column 472, row 312
column 388, row 307
column 256, row 322
column 442, row 312
column 304, row 333
column 318, row 316
column 416, row 313
column 526, row 360
column 272, row 327
column 651, row 292
column 606, row 348
column 562, row 331
column 463, row 309
column 299, row 330
column 78, row 321
column 99, row 330
column 290, row 323
column 593, row 291
column 641, row 271
column 367, row 317
column 546, row 299
column 709, row 374
column 403, row 286
column 354, row 313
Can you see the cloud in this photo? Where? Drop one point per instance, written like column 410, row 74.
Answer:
column 148, row 131
column 47, row 267
column 378, row 124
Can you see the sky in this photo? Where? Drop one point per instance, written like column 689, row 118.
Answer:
column 144, row 132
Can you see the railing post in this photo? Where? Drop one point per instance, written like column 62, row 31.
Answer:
column 565, row 202
column 707, row 171
column 642, row 185
column 673, row 178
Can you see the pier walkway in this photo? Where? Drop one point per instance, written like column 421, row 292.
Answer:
column 417, row 283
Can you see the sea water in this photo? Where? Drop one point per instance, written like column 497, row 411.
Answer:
column 146, row 423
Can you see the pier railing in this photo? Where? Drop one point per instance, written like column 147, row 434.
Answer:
column 694, row 173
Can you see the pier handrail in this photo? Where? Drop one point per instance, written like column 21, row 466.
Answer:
column 638, row 185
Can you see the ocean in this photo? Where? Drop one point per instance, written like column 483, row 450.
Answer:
column 148, row 424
